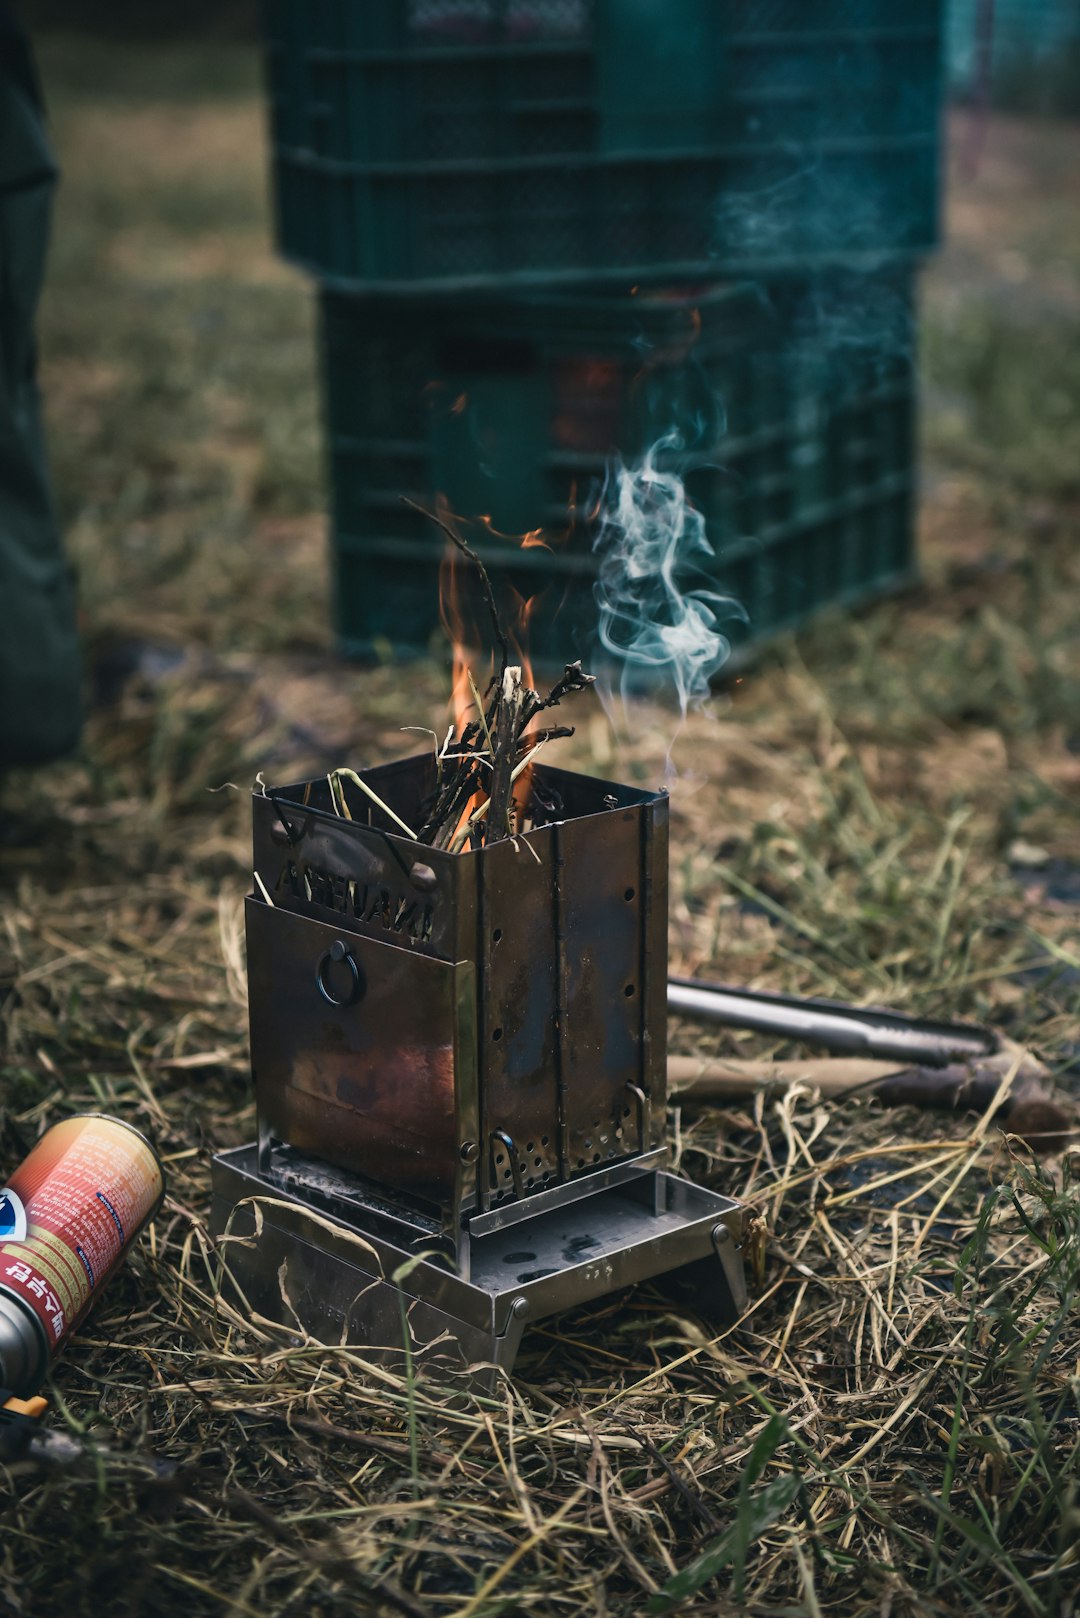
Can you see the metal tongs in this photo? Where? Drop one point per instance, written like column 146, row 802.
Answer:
column 837, row 1026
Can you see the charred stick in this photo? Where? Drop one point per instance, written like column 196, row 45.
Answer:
column 471, row 829
column 504, row 736
column 501, row 728
column 553, row 733
column 572, row 679
column 460, row 772
column 468, row 787
column 471, row 775
column 439, row 805
column 470, row 778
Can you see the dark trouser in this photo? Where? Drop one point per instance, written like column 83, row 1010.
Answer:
column 39, row 659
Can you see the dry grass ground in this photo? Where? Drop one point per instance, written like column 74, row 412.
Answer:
column 884, row 809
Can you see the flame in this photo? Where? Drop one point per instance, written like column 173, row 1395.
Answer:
column 464, row 638
column 462, row 702
column 532, row 540
column 525, row 607
column 519, row 632
column 457, row 629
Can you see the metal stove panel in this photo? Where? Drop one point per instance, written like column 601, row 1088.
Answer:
column 563, row 1038
column 518, row 1028
column 614, row 1049
column 367, row 1061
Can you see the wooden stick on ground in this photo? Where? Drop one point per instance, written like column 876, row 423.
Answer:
column 1030, row 1110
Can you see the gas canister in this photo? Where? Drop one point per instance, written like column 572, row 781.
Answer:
column 68, row 1215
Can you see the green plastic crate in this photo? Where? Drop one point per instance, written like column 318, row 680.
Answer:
column 448, row 145
column 794, row 407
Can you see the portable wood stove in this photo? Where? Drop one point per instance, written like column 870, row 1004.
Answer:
column 460, row 1074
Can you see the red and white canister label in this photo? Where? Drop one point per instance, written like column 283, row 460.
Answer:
column 70, row 1212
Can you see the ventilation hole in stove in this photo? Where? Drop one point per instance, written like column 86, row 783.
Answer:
column 618, row 1133
column 518, row 1258
column 506, row 1174
column 628, row 895
column 543, row 1140
column 626, row 1112
column 496, row 935
column 588, row 1144
column 496, row 1033
column 581, row 1162
column 538, row 1162
column 596, row 1157
column 629, row 991
column 530, row 1146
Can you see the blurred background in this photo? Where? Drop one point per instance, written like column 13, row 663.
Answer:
column 521, row 268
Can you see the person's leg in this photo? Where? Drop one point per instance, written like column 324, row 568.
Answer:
column 39, row 657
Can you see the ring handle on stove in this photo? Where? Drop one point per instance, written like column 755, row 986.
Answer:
column 338, row 952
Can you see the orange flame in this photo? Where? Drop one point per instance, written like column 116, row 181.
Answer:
column 519, row 632
column 529, row 541
column 462, row 701
column 519, row 639
column 464, row 638
column 457, row 629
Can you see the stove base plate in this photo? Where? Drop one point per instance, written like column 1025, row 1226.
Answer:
column 295, row 1265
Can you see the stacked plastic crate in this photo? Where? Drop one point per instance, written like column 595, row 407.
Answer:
column 553, row 232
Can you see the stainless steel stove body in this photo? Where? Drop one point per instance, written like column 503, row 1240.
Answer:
column 460, row 1073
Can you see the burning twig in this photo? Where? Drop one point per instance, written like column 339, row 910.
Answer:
column 481, row 761
column 478, row 792
column 503, row 751
column 483, row 811
column 572, row 679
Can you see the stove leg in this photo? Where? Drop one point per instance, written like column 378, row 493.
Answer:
column 715, row 1287
column 272, row 1271
column 462, row 1346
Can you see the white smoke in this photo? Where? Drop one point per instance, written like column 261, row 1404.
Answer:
column 659, row 616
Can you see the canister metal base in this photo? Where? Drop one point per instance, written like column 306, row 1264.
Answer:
column 339, row 1282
